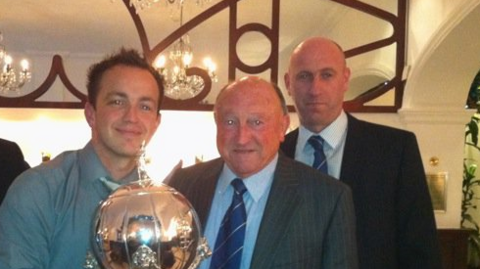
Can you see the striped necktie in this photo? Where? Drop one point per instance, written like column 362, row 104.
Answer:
column 320, row 161
column 229, row 244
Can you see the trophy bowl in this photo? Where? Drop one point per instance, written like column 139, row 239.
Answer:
column 148, row 225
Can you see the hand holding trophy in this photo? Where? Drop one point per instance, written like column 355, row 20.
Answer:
column 147, row 225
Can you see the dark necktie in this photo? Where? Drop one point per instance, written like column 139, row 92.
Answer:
column 320, row 161
column 229, row 245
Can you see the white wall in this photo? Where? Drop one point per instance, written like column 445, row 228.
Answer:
column 437, row 88
column 181, row 136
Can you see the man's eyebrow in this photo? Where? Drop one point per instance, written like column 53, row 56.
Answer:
column 124, row 95
column 116, row 93
column 147, row 99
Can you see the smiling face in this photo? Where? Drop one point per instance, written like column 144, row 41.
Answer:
column 250, row 125
column 317, row 80
column 125, row 113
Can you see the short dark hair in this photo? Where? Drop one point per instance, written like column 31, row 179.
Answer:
column 127, row 57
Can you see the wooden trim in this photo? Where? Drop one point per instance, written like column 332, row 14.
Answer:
column 235, row 63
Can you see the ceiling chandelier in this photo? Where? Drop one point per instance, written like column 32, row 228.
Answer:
column 178, row 85
column 144, row 4
column 10, row 81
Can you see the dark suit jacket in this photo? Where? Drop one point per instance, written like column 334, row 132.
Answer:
column 308, row 220
column 12, row 164
column 395, row 220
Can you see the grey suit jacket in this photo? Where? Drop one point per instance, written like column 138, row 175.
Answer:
column 395, row 219
column 308, row 220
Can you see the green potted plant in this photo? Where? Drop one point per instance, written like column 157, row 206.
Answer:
column 470, row 188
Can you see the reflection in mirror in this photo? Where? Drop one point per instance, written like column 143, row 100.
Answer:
column 390, row 6
column 207, row 39
column 350, row 28
column 253, row 48
column 241, row 37
column 369, row 70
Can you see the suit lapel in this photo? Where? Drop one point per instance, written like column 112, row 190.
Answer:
column 204, row 189
column 281, row 204
column 288, row 146
column 351, row 163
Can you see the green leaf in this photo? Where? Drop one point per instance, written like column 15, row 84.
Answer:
column 473, row 130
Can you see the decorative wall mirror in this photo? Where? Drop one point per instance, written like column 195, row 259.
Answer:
column 241, row 36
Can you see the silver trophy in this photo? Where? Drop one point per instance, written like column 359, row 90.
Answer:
column 147, row 225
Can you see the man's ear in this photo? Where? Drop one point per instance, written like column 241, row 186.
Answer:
column 346, row 76
column 286, row 125
column 286, row 79
column 89, row 112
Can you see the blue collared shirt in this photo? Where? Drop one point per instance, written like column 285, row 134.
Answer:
column 255, row 199
column 334, row 136
column 46, row 217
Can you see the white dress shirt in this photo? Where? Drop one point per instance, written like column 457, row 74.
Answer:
column 255, row 199
column 334, row 136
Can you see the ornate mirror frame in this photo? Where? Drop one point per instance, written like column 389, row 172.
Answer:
column 235, row 63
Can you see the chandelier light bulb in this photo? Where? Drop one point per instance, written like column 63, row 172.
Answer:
column 160, row 62
column 176, row 69
column 8, row 66
column 8, row 60
column 212, row 67
column 209, row 64
column 2, row 51
column 207, row 61
column 187, row 59
column 24, row 64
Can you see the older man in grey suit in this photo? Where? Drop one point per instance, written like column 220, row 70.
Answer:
column 296, row 217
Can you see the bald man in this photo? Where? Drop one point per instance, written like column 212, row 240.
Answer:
column 382, row 165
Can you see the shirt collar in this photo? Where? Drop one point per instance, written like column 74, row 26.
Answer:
column 256, row 184
column 332, row 134
column 91, row 168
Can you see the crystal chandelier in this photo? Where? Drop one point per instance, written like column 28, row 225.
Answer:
column 178, row 85
column 9, row 80
column 144, row 4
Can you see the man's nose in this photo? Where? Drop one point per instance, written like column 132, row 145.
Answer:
column 243, row 134
column 317, row 83
column 131, row 113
